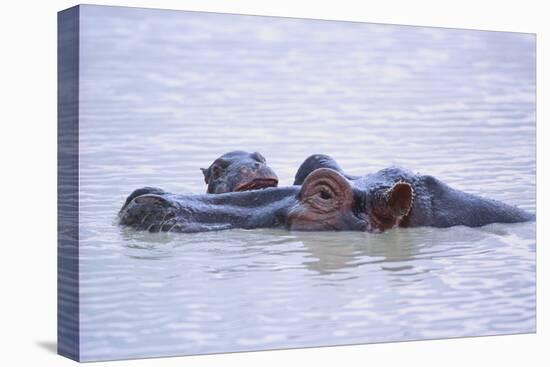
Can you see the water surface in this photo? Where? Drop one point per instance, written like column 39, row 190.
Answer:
column 164, row 93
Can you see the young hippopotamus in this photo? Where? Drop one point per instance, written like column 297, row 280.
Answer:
column 239, row 171
column 396, row 197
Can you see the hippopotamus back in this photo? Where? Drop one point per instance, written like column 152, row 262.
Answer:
column 435, row 204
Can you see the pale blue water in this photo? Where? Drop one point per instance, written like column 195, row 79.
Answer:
column 164, row 93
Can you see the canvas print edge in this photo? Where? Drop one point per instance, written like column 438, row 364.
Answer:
column 67, row 184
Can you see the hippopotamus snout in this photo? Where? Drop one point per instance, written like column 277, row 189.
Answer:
column 147, row 209
column 254, row 176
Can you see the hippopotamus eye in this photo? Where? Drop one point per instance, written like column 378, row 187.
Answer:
column 323, row 197
column 324, row 194
column 216, row 172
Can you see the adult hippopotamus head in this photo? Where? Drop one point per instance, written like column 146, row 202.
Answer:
column 381, row 204
column 325, row 201
column 239, row 171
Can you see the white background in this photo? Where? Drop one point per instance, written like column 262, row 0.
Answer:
column 28, row 182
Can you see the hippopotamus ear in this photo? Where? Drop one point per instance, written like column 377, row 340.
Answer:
column 399, row 198
column 206, row 173
column 325, row 190
column 257, row 156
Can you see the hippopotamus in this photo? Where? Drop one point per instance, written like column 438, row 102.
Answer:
column 325, row 200
column 396, row 197
column 238, row 171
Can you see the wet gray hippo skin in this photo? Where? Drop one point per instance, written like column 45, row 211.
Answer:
column 416, row 200
column 238, row 171
column 327, row 200
column 316, row 161
column 324, row 202
column 423, row 200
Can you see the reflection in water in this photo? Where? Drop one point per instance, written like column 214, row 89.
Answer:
column 328, row 254
column 163, row 93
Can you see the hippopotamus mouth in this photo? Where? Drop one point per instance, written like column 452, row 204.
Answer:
column 257, row 183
